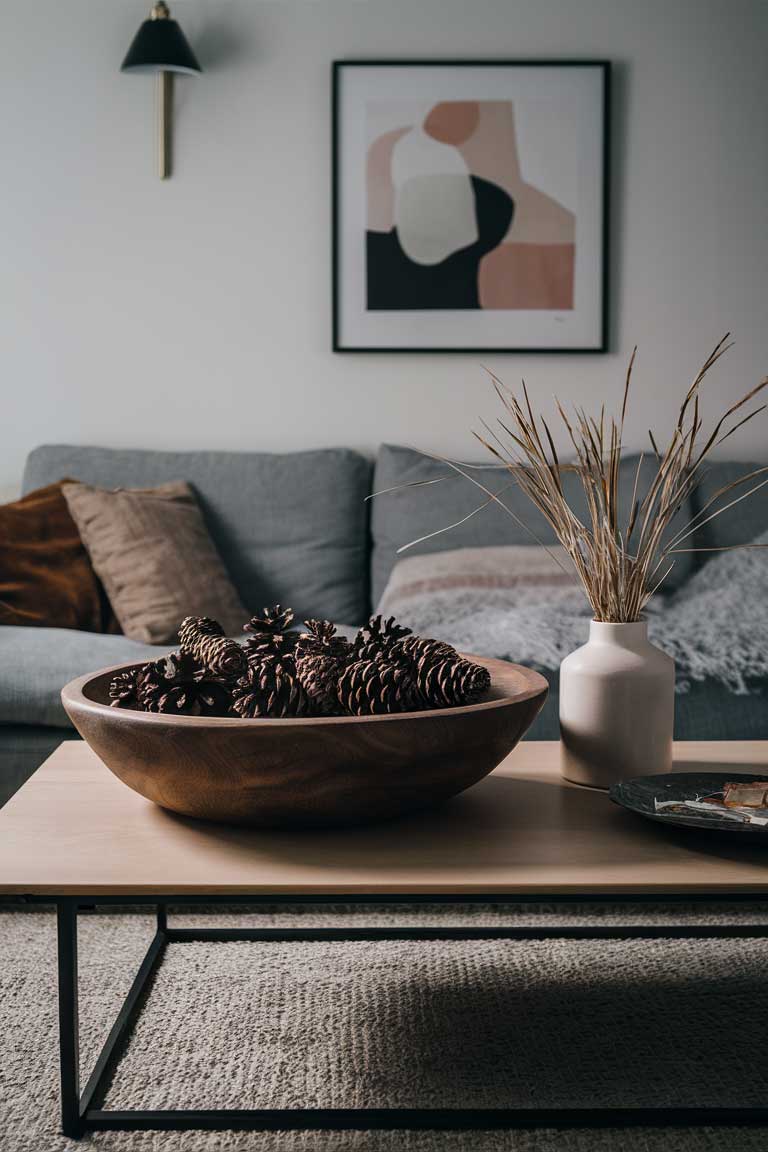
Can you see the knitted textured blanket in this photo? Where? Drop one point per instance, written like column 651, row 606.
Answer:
column 515, row 603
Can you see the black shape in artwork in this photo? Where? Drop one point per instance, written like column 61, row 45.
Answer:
column 395, row 283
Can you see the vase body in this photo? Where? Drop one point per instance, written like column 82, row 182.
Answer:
column 617, row 706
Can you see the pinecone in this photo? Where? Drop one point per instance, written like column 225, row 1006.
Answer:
column 182, row 686
column 374, row 686
column 204, row 638
column 447, row 682
column 421, row 651
column 270, row 688
column 421, row 654
column 270, row 633
column 321, row 657
column 123, row 689
column 443, row 678
column 376, row 638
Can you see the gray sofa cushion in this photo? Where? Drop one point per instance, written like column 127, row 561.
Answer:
column 36, row 663
column 740, row 524
column 290, row 528
column 22, row 750
column 399, row 517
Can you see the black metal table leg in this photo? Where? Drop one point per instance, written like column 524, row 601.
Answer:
column 81, row 1112
column 69, row 1042
column 76, row 1108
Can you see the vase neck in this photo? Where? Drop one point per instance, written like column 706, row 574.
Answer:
column 618, row 635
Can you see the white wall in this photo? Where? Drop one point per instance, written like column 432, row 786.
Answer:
column 197, row 312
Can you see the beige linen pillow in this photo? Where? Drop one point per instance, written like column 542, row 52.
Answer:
column 153, row 554
column 512, row 566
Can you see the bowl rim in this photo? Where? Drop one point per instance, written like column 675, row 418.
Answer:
column 73, row 696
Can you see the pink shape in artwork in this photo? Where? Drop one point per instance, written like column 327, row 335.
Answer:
column 527, row 276
column 452, row 121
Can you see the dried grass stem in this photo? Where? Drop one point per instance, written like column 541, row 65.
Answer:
column 620, row 564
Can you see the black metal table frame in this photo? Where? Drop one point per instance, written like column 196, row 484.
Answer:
column 83, row 1111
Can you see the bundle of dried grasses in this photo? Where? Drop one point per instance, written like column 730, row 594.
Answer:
column 620, row 564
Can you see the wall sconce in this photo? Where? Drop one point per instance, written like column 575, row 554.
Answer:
column 161, row 47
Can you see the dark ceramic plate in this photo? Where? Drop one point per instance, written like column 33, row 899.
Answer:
column 638, row 795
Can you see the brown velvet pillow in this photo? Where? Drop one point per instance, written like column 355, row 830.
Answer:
column 46, row 578
column 152, row 550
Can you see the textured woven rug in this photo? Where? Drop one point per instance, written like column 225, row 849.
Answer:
column 458, row 1023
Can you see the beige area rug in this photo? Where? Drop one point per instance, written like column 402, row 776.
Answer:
column 478, row 1023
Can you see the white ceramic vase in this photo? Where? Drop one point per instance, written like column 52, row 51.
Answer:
column 617, row 706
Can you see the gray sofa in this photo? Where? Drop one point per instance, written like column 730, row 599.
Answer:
column 297, row 529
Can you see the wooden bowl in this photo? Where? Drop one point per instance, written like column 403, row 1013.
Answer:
column 311, row 772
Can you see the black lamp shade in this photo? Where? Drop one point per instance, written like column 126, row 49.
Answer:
column 160, row 46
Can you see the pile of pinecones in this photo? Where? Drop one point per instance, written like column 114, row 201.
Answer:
column 281, row 672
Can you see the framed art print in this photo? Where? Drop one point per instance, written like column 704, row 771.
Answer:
column 470, row 206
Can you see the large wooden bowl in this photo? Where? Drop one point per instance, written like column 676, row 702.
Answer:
column 334, row 770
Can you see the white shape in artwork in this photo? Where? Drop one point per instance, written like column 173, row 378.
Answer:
column 416, row 154
column 434, row 217
column 434, row 201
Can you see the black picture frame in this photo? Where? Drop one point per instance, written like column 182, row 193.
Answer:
column 604, row 66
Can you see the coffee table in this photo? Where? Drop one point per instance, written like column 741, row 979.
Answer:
column 75, row 836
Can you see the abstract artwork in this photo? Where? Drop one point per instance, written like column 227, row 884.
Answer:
column 470, row 206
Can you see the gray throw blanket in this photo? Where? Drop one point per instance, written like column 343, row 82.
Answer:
column 516, row 604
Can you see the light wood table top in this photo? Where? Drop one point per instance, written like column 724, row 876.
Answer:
column 74, row 829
